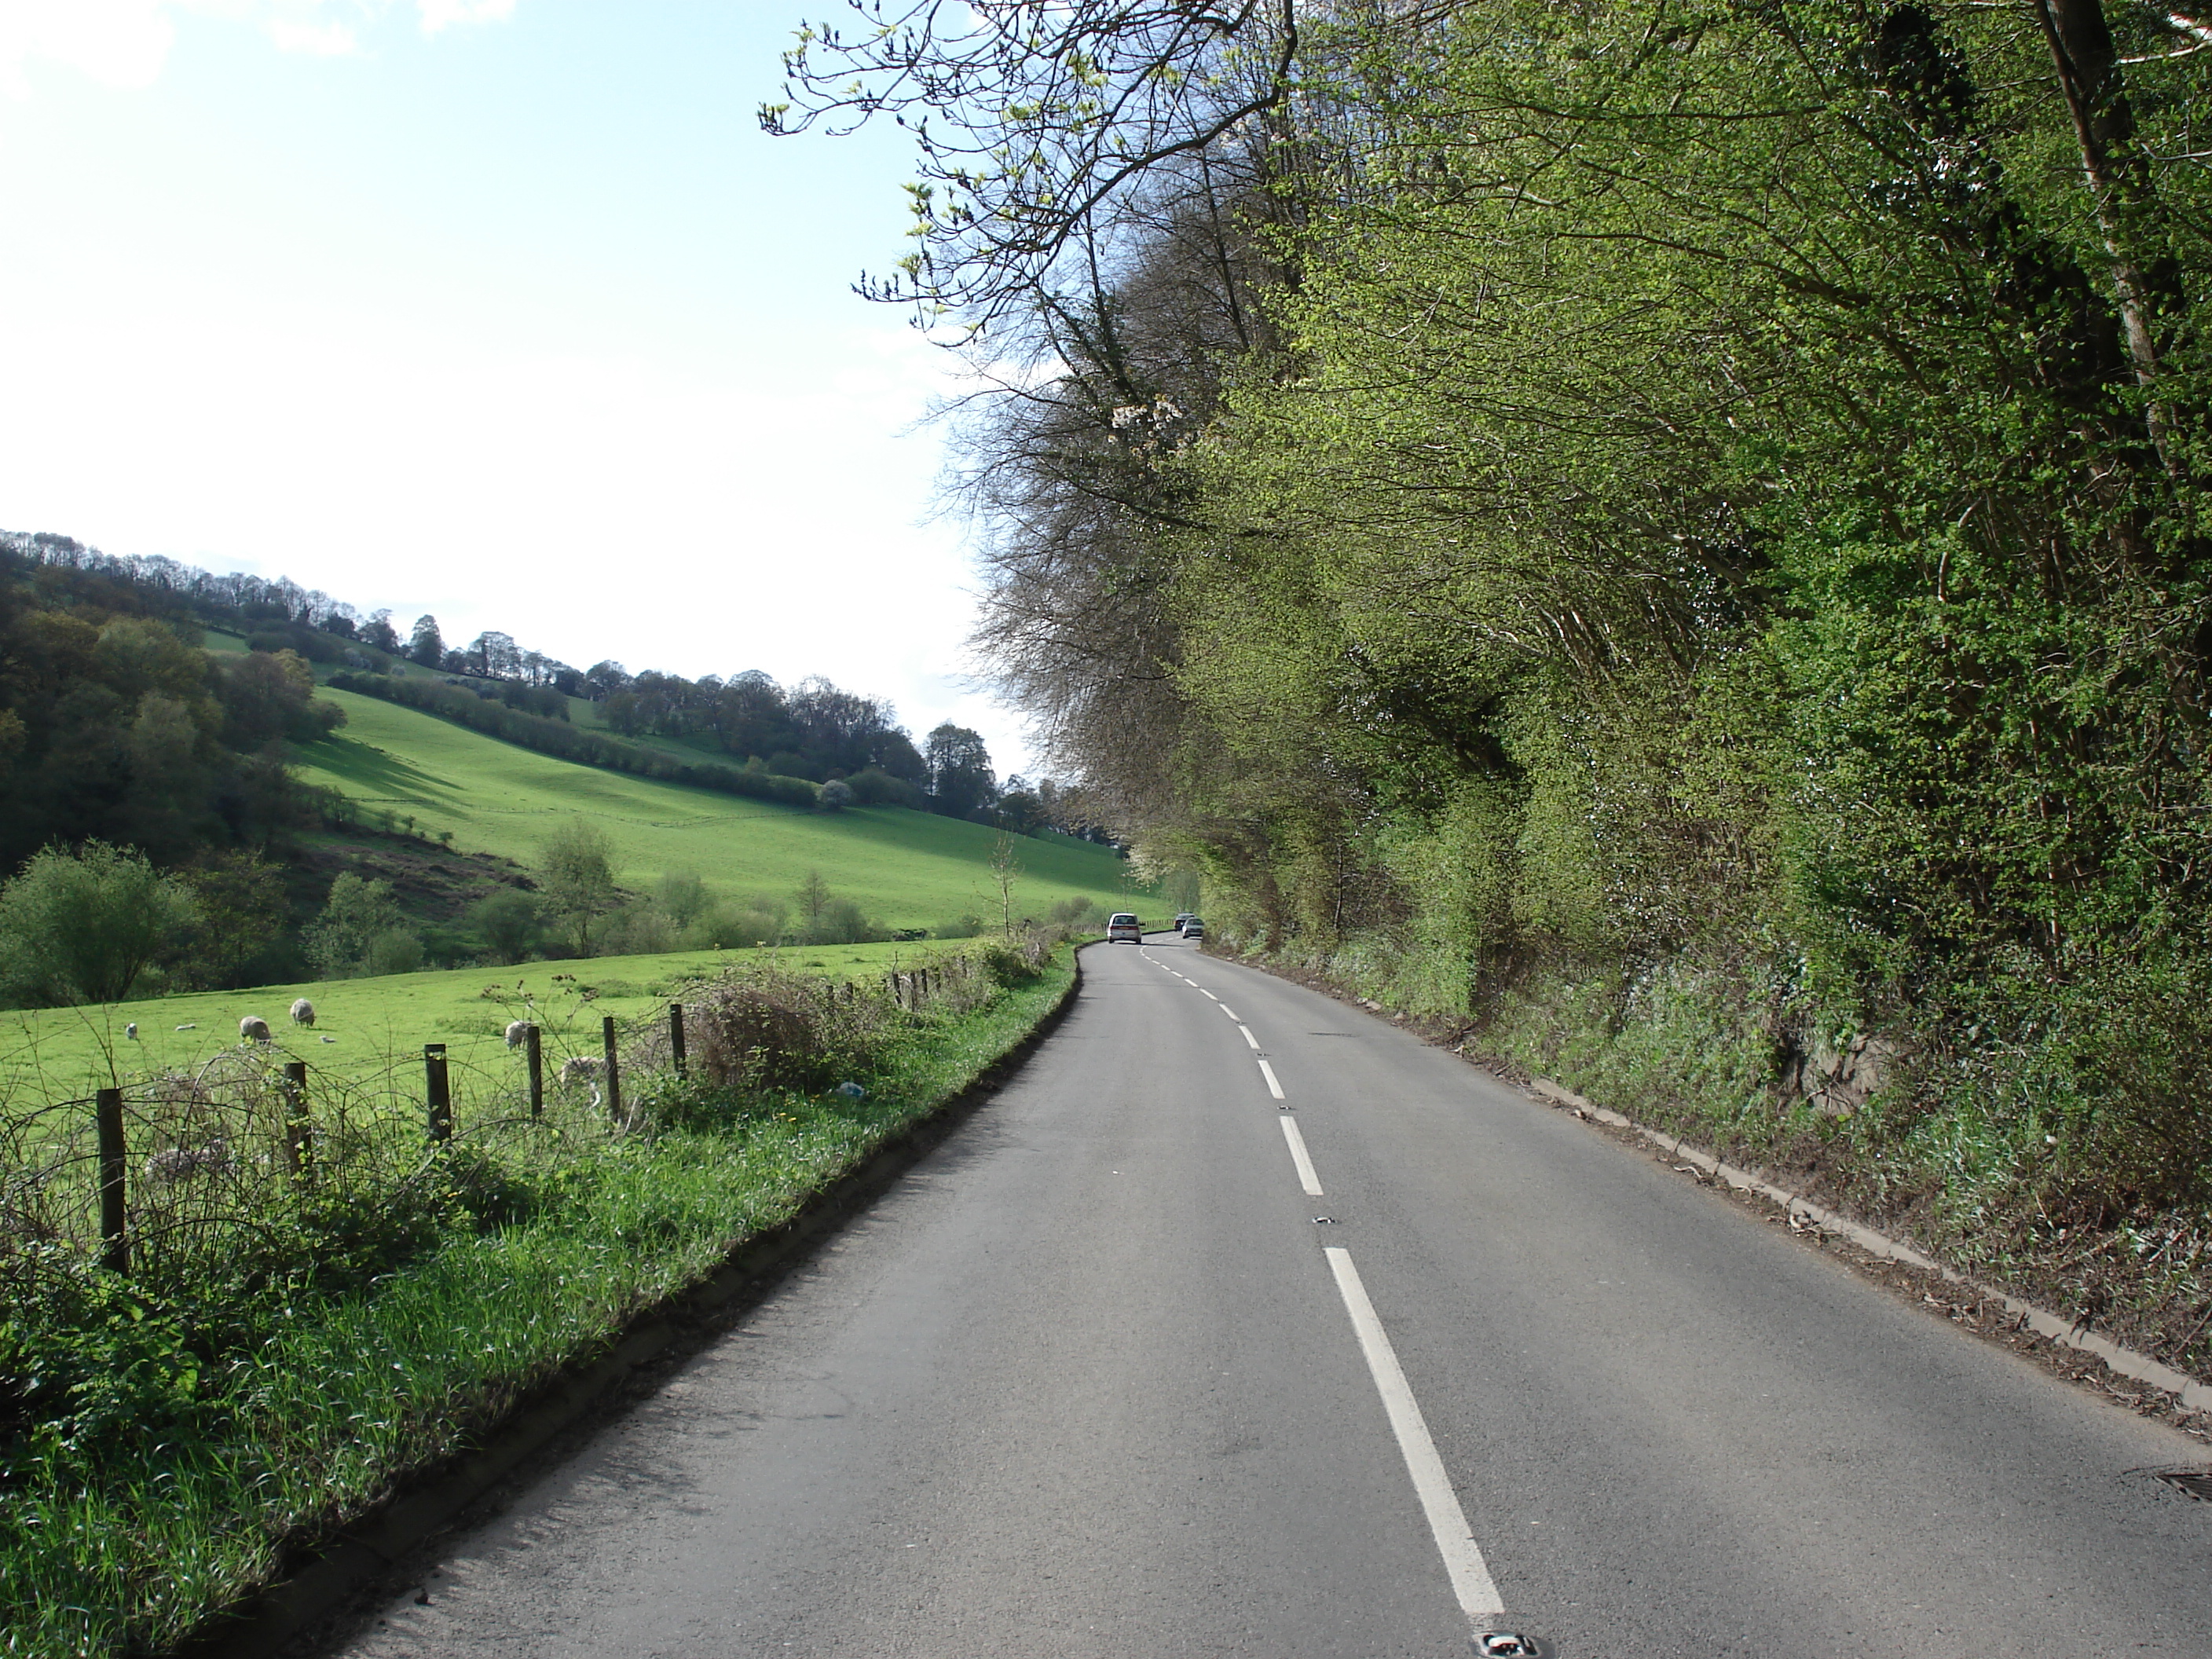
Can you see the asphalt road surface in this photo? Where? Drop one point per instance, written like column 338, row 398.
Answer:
column 1095, row 1380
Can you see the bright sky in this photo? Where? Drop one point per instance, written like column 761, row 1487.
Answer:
column 503, row 310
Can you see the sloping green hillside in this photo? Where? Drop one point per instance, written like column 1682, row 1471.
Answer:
column 908, row 869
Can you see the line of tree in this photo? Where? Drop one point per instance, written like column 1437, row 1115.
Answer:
column 116, row 726
column 814, row 732
column 569, row 742
column 1703, row 510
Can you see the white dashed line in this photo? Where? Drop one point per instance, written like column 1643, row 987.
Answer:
column 1248, row 1038
column 1203, row 992
column 1307, row 1178
column 1268, row 1072
column 1231, row 1012
column 1470, row 1575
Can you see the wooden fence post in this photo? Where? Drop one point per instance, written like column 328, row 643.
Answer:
column 676, row 1035
column 115, row 1242
column 299, row 1132
column 614, row 1067
column 439, row 1092
column 537, row 1058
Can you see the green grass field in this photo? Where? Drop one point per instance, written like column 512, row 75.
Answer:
column 373, row 1024
column 906, row 869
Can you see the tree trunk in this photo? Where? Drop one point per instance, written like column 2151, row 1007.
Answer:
column 2119, row 184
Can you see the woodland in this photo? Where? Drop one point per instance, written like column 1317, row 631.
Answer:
column 156, row 834
column 1667, row 540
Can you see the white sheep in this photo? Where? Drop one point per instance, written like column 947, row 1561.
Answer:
column 253, row 1029
column 132, row 1031
column 303, row 1012
column 517, row 1033
column 180, row 1162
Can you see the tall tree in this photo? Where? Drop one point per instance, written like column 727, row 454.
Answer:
column 576, row 880
column 961, row 780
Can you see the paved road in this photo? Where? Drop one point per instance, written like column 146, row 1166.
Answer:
column 1093, row 1381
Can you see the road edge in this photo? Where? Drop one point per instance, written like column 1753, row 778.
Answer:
column 2136, row 1366
column 322, row 1584
column 2189, row 1395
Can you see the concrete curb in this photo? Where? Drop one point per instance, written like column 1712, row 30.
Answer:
column 2125, row 1362
column 319, row 1588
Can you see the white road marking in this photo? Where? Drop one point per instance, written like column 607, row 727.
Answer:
column 1307, row 1178
column 1248, row 1038
column 1268, row 1072
column 1203, row 992
column 1463, row 1563
column 1231, row 1012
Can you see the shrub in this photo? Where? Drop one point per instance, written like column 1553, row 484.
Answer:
column 642, row 929
column 358, row 911
column 682, row 895
column 83, row 927
column 394, row 950
column 766, row 1030
column 507, row 923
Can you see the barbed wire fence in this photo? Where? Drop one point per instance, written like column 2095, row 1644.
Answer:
column 167, row 1174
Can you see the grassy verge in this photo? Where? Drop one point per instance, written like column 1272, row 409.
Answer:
column 2006, row 1160
column 171, row 1438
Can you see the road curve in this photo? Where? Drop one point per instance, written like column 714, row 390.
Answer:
column 1129, row 1367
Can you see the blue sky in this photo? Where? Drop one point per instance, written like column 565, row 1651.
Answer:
column 503, row 310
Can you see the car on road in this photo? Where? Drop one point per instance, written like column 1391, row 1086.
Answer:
column 1192, row 928
column 1122, row 929
column 1181, row 916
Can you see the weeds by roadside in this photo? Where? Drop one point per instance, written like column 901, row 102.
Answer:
column 319, row 1331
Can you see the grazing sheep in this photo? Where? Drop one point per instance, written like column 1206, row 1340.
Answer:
column 253, row 1029
column 517, row 1033
column 303, row 1012
column 178, row 1161
column 132, row 1031
column 580, row 1065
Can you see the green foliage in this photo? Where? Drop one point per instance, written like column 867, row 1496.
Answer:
column 576, row 880
column 214, row 1420
column 115, row 726
column 1702, row 564
column 556, row 737
column 961, row 780
column 82, row 926
column 243, row 913
column 359, row 913
column 393, row 950
column 508, row 923
column 909, row 868
column 682, row 895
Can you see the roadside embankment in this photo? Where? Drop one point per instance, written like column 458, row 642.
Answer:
column 330, row 1325
column 1901, row 1165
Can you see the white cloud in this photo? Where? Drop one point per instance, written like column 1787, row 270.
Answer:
column 312, row 39
column 120, row 43
column 125, row 43
column 444, row 14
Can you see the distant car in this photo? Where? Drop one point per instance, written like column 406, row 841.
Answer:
column 1181, row 916
column 1121, row 927
column 1192, row 928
